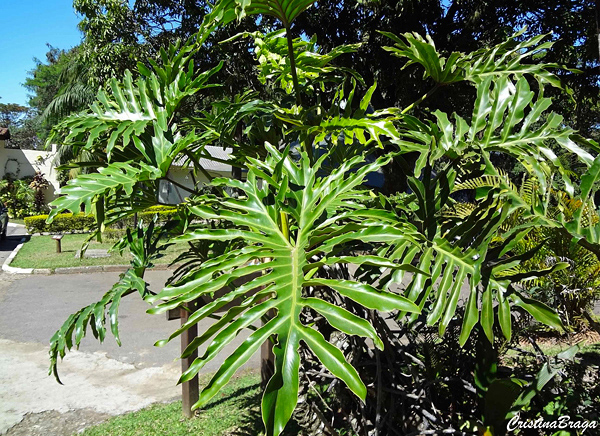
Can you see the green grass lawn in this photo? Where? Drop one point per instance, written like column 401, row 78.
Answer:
column 40, row 252
column 234, row 411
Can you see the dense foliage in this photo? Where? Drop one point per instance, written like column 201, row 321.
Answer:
column 64, row 222
column 19, row 197
column 304, row 245
column 68, row 222
column 22, row 124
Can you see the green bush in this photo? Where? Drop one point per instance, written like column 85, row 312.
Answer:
column 64, row 222
column 164, row 213
column 67, row 222
column 110, row 234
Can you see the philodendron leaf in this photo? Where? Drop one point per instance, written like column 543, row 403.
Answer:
column 507, row 59
column 225, row 11
column 538, row 310
column 280, row 265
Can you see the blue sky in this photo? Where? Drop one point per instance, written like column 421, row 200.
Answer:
column 26, row 27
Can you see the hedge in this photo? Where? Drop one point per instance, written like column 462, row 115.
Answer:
column 113, row 234
column 164, row 214
column 67, row 222
column 64, row 222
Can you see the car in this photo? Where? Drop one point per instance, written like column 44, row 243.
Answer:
column 3, row 221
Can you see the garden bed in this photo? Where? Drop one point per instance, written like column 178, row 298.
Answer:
column 40, row 252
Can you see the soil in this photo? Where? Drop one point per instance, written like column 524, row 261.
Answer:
column 545, row 341
column 53, row 423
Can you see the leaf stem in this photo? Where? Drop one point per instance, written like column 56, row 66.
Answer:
column 179, row 185
column 284, row 226
column 294, row 73
column 421, row 99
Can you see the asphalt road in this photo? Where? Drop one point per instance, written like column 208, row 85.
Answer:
column 14, row 234
column 35, row 306
column 99, row 379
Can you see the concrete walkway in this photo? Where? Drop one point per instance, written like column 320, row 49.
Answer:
column 92, row 381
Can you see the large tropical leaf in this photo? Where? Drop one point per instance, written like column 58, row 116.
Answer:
column 289, row 229
column 345, row 122
column 508, row 59
column 312, row 65
column 130, row 186
column 90, row 189
column 508, row 119
column 462, row 257
column 132, row 108
column 225, row 11
column 133, row 127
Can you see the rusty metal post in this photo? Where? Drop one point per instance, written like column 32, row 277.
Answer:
column 190, row 389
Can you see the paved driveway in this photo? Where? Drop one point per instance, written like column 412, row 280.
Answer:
column 14, row 234
column 99, row 379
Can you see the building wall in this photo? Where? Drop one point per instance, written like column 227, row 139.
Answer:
column 23, row 163
column 172, row 194
column 27, row 162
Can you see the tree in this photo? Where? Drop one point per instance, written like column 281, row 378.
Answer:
column 23, row 125
column 464, row 26
column 118, row 34
column 75, row 90
column 58, row 87
column 304, row 214
column 11, row 114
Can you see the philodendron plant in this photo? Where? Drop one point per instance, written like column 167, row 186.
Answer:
column 304, row 207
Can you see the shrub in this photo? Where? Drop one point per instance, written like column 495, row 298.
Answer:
column 164, row 213
column 67, row 222
column 18, row 196
column 64, row 222
column 111, row 234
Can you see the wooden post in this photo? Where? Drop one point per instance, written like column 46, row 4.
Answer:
column 267, row 358
column 267, row 362
column 190, row 389
column 58, row 238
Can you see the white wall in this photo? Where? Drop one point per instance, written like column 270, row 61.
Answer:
column 23, row 163
column 28, row 162
column 172, row 194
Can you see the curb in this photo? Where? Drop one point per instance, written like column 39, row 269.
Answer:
column 71, row 270
column 12, row 270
